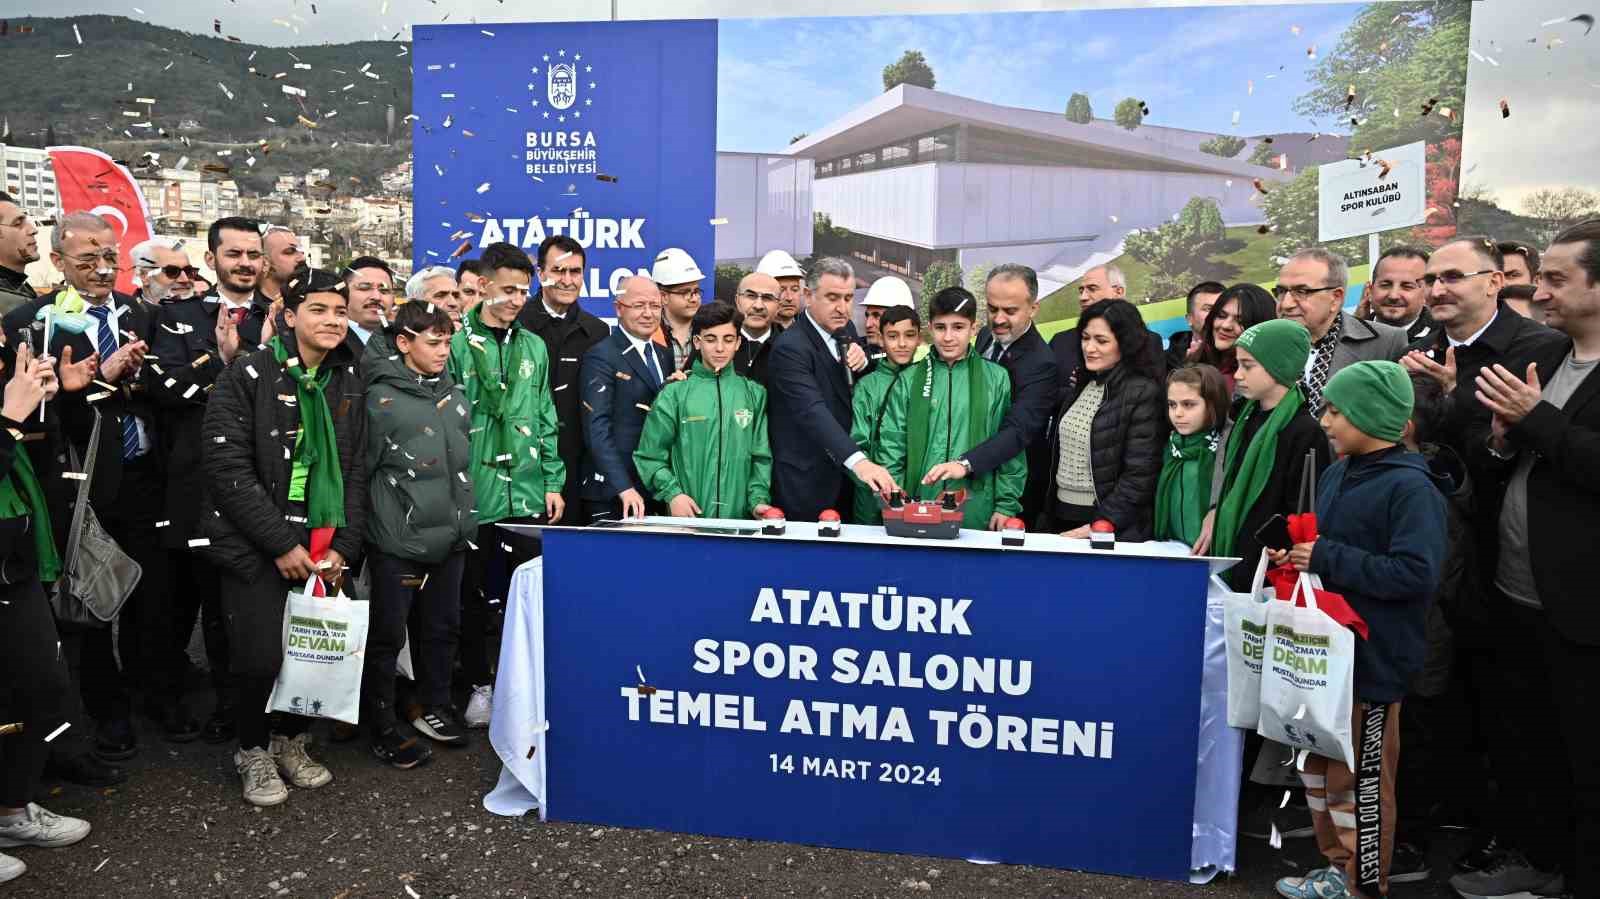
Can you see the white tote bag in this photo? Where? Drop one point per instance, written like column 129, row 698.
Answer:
column 1244, row 617
column 1306, row 679
column 324, row 643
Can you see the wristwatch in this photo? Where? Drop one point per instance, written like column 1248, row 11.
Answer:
column 966, row 463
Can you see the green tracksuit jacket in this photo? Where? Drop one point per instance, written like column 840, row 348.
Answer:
column 707, row 436
column 517, row 489
column 868, row 404
column 948, row 437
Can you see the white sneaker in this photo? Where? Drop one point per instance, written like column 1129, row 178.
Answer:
column 262, row 785
column 11, row 868
column 40, row 827
column 480, row 708
column 298, row 767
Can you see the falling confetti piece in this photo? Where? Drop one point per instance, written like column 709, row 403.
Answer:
column 56, row 733
column 1294, row 30
column 482, row 188
column 1384, row 166
column 1259, row 186
column 486, row 31
column 1311, row 52
column 1505, row 109
column 719, row 221
column 77, row 34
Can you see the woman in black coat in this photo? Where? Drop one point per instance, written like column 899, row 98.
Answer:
column 1107, row 436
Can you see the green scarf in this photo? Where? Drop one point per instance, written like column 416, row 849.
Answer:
column 1184, row 490
column 318, row 447
column 920, row 414
column 29, row 500
column 492, row 387
column 1249, row 477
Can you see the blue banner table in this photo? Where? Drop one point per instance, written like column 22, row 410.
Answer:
column 1037, row 705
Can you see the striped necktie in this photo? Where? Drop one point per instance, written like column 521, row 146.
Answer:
column 106, row 343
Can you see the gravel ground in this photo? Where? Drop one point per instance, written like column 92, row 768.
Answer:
column 178, row 827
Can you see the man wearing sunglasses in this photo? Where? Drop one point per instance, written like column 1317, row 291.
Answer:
column 1311, row 290
column 568, row 332
column 162, row 271
column 758, row 299
column 19, row 246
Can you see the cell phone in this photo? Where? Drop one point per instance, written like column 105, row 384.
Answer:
column 1274, row 534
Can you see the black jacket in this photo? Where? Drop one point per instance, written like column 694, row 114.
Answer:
column 1178, row 350
column 566, row 340
column 750, row 360
column 248, row 441
column 1564, row 501
column 808, row 422
column 1381, row 545
column 1035, row 392
column 1125, row 447
column 1068, row 349
column 1281, row 494
column 618, row 389
column 14, row 289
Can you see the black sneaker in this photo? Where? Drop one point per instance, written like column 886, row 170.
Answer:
column 1408, row 865
column 178, row 725
column 437, row 723
column 219, row 727
column 399, row 751
column 1485, row 852
column 114, row 740
column 84, row 770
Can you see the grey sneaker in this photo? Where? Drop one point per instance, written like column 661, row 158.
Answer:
column 262, row 785
column 41, row 827
column 298, row 767
column 1512, row 874
column 11, row 868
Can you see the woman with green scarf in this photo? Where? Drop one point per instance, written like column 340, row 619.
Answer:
column 1266, row 451
column 34, row 676
column 944, row 406
column 1197, row 409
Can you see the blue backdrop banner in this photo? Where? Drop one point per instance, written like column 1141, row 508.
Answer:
column 1036, row 708
column 605, row 131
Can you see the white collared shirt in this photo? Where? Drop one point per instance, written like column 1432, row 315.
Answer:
column 93, row 333
column 754, row 339
column 827, row 339
column 559, row 316
column 642, row 347
column 1474, row 338
column 361, row 333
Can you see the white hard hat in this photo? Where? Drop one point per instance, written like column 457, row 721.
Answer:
column 673, row 266
column 889, row 291
column 780, row 264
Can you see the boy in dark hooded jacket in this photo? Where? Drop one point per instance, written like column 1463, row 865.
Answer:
column 1381, row 544
column 421, row 491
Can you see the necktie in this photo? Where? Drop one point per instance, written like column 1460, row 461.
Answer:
column 996, row 351
column 239, row 314
column 655, row 366
column 106, row 343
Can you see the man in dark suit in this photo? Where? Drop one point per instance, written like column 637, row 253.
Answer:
column 102, row 367
column 809, row 378
column 1546, row 429
column 1198, row 305
column 568, row 332
column 757, row 299
column 1011, row 341
column 621, row 376
column 1103, row 282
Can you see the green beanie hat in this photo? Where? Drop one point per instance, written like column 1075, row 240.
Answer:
column 1281, row 346
column 1376, row 397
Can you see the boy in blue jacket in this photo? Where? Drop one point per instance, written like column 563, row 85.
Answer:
column 1381, row 544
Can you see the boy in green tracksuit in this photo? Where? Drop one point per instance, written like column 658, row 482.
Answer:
column 944, row 406
column 704, row 447
column 900, row 330
column 516, row 472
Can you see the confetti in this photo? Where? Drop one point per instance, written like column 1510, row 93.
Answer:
column 77, row 34
column 56, row 733
column 75, row 476
column 199, row 542
column 484, row 187
column 1311, row 52
column 1505, row 109
column 225, row 91
column 1259, row 185
column 719, row 221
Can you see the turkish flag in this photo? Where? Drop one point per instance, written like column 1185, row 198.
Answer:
column 90, row 181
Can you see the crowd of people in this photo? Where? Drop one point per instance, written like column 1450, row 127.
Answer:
column 290, row 423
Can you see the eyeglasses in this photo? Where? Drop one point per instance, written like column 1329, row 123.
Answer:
column 87, row 261
column 640, row 307
column 566, row 272
column 684, row 293
column 1452, row 278
column 374, row 288
column 173, row 271
column 1300, row 292
column 763, row 297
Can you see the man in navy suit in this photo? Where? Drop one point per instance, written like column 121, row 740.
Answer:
column 620, row 377
column 810, row 373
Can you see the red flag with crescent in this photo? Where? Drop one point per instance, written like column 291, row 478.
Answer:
column 90, row 181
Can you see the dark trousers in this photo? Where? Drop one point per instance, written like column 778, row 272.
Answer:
column 429, row 595
column 252, row 605
column 1549, row 796
column 154, row 624
column 484, row 580
column 193, row 574
column 35, row 688
column 1060, row 516
column 1440, row 777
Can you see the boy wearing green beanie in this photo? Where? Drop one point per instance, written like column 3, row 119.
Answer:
column 1265, row 458
column 1381, row 545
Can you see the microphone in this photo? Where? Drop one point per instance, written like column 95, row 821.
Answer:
column 842, row 340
